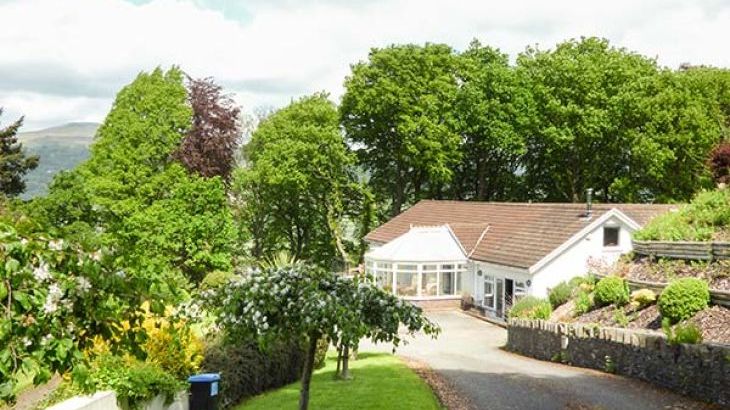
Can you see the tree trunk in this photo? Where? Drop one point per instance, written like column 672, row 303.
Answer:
column 307, row 372
column 345, row 363
column 339, row 360
column 398, row 197
column 334, row 225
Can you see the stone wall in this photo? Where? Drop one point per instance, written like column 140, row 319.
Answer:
column 701, row 371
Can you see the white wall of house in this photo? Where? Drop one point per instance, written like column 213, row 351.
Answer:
column 572, row 262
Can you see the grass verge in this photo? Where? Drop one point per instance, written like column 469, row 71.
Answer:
column 379, row 381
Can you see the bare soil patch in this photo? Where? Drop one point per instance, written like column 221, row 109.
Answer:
column 714, row 323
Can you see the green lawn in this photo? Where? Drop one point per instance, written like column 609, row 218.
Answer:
column 379, row 381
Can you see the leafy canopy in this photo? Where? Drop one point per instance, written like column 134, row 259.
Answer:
column 132, row 196
column 397, row 111
column 299, row 188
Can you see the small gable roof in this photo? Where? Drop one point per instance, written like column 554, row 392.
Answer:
column 421, row 244
column 511, row 234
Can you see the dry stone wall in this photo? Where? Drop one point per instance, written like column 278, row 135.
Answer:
column 701, row 371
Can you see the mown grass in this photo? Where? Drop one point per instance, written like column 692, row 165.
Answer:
column 379, row 381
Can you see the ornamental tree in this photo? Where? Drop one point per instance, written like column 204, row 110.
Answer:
column 54, row 300
column 302, row 303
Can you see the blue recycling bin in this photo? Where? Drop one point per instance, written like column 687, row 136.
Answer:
column 204, row 391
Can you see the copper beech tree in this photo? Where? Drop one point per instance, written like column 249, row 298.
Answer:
column 210, row 145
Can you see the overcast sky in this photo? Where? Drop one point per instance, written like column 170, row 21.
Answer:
column 63, row 61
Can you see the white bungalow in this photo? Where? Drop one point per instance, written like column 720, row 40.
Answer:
column 437, row 251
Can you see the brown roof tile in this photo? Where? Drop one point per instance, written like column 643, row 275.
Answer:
column 518, row 234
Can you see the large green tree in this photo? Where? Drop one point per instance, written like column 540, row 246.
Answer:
column 298, row 189
column 14, row 162
column 612, row 120
column 156, row 217
column 583, row 128
column 397, row 114
column 492, row 108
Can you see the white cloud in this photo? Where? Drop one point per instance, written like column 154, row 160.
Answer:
column 69, row 57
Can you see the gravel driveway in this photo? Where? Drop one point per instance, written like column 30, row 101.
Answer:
column 468, row 354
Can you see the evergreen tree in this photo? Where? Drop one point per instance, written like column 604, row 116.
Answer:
column 14, row 162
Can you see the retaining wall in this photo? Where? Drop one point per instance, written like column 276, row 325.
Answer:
column 701, row 371
column 683, row 249
column 107, row 400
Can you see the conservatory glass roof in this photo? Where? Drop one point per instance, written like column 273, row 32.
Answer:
column 421, row 244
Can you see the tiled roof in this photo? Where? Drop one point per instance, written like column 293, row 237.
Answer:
column 518, row 234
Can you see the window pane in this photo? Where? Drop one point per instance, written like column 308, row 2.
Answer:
column 407, row 283
column 447, row 283
column 488, row 292
column 385, row 281
column 458, row 288
column 429, row 268
column 382, row 265
column 610, row 236
column 410, row 268
column 447, row 267
column 429, row 284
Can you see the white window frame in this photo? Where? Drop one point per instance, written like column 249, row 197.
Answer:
column 492, row 282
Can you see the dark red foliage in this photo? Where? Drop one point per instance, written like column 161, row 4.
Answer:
column 210, row 146
column 720, row 162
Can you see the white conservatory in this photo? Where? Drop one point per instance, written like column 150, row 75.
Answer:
column 424, row 263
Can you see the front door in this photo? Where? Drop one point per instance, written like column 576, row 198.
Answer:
column 509, row 291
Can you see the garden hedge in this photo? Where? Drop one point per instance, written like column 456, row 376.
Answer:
column 246, row 370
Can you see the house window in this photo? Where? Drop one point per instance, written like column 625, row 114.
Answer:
column 520, row 291
column 488, row 292
column 610, row 236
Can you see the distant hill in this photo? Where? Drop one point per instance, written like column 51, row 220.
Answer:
column 60, row 148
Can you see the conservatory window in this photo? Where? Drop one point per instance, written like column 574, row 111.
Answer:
column 406, row 283
column 429, row 282
column 488, row 292
column 447, row 282
column 384, row 280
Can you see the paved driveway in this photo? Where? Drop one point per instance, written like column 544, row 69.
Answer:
column 468, row 355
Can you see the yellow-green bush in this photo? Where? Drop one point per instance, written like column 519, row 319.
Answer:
column 216, row 279
column 643, row 297
column 173, row 347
